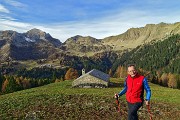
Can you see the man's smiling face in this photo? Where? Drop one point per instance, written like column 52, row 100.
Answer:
column 132, row 71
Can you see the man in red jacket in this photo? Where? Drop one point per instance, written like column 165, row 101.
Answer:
column 134, row 86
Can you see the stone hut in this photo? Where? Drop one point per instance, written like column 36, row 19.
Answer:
column 92, row 79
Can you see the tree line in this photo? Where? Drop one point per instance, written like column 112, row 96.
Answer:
column 25, row 79
column 160, row 59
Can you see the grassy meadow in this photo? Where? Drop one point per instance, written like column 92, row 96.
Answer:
column 58, row 101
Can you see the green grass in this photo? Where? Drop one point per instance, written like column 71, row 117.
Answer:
column 60, row 101
column 164, row 94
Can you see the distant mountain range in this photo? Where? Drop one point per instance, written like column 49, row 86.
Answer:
column 36, row 44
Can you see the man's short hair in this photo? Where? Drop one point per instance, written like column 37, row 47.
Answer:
column 129, row 65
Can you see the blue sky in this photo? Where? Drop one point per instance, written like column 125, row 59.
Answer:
column 97, row 18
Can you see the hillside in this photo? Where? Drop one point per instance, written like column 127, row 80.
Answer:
column 134, row 37
column 84, row 46
column 161, row 55
column 60, row 101
column 36, row 44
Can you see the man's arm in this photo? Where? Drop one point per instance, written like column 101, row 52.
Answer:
column 124, row 90
column 147, row 88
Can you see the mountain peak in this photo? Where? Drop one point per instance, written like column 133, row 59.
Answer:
column 75, row 38
column 39, row 35
column 35, row 34
column 79, row 38
column 7, row 33
column 35, row 30
column 134, row 37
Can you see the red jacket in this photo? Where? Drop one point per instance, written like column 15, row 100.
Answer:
column 135, row 89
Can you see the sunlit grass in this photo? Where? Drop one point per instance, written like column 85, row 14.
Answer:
column 60, row 95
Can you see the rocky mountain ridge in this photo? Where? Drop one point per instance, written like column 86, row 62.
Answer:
column 134, row 37
column 34, row 44
column 84, row 45
column 37, row 44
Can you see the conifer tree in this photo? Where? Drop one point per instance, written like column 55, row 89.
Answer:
column 53, row 76
column 2, row 79
column 110, row 73
column 10, row 85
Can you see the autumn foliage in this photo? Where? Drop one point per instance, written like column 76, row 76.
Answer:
column 71, row 74
column 169, row 80
column 121, row 72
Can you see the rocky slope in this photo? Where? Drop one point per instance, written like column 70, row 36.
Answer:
column 34, row 44
column 37, row 44
column 133, row 37
column 80, row 46
column 139, row 36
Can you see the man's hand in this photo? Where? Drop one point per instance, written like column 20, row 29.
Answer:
column 147, row 102
column 116, row 95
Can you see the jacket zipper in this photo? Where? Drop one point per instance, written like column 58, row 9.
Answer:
column 132, row 87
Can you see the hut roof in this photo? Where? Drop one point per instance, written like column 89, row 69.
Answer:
column 98, row 74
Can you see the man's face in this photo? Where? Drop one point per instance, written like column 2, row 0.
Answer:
column 132, row 71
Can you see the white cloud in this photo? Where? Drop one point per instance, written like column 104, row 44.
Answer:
column 13, row 25
column 114, row 24
column 15, row 3
column 3, row 9
column 108, row 26
column 5, row 17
